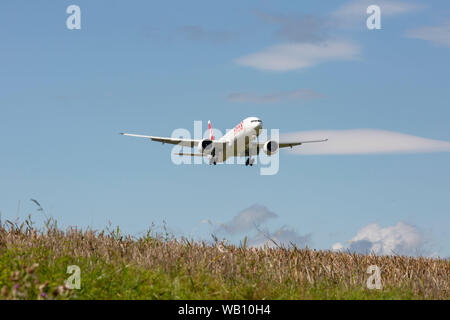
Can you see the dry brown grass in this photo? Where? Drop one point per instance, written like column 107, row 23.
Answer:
column 262, row 273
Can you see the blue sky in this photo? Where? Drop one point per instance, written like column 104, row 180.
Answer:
column 145, row 67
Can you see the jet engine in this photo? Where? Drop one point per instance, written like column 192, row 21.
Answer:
column 205, row 146
column 270, row 147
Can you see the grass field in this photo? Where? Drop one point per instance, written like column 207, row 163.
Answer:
column 34, row 262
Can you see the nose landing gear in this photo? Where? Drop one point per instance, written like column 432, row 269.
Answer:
column 249, row 162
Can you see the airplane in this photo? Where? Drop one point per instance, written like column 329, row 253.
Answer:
column 238, row 142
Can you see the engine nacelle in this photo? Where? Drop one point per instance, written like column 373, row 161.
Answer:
column 205, row 146
column 270, row 147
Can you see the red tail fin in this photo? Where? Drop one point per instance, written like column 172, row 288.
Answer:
column 210, row 131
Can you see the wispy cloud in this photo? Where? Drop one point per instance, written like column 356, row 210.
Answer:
column 308, row 40
column 199, row 33
column 251, row 97
column 294, row 56
column 402, row 239
column 355, row 11
column 364, row 141
column 195, row 33
column 299, row 28
column 438, row 35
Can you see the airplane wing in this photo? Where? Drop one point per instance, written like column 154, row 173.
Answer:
column 285, row 144
column 182, row 142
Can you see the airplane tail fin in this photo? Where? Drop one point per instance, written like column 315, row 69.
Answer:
column 210, row 131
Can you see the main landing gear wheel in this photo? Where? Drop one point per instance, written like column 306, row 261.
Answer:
column 249, row 162
column 212, row 160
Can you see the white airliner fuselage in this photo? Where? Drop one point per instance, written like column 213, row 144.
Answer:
column 239, row 142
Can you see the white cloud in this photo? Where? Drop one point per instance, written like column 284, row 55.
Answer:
column 247, row 219
column 402, row 239
column 206, row 221
column 250, row 97
column 309, row 42
column 337, row 246
column 438, row 35
column 363, row 141
column 356, row 10
column 293, row 56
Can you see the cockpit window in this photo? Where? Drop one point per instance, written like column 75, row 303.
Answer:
column 256, row 121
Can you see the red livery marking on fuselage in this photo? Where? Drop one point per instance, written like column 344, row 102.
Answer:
column 239, row 127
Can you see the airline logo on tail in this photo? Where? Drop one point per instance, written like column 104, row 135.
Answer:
column 210, row 130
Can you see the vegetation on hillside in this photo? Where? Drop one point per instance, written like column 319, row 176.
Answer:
column 34, row 263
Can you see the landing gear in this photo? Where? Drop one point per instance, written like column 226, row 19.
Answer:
column 249, row 162
column 212, row 160
column 212, row 157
